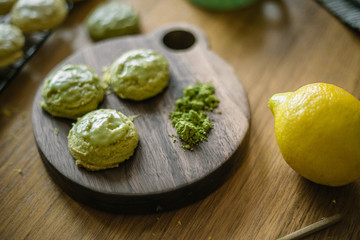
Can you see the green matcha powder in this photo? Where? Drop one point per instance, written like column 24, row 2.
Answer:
column 189, row 117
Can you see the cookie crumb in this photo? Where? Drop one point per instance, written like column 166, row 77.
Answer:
column 132, row 117
column 159, row 208
column 6, row 112
column 14, row 137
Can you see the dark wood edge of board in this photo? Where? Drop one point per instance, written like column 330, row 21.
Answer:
column 155, row 203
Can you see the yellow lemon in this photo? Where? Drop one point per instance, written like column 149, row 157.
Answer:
column 317, row 128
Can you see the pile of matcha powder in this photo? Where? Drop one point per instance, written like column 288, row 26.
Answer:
column 189, row 117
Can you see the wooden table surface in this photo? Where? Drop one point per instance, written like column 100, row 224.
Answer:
column 273, row 46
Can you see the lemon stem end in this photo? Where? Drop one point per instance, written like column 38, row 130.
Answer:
column 276, row 100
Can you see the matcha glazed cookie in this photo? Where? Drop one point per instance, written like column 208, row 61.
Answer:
column 112, row 19
column 102, row 139
column 11, row 42
column 38, row 15
column 138, row 74
column 72, row 91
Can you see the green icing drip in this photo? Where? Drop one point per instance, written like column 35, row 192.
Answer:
column 189, row 117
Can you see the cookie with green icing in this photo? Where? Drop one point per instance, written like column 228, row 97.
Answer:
column 72, row 91
column 12, row 41
column 38, row 15
column 138, row 74
column 112, row 19
column 102, row 139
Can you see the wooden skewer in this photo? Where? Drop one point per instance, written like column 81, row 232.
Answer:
column 312, row 228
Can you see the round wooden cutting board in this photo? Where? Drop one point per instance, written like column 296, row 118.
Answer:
column 160, row 175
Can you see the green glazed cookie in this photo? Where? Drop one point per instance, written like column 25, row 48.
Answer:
column 72, row 91
column 38, row 15
column 5, row 6
column 102, row 139
column 11, row 42
column 138, row 74
column 112, row 19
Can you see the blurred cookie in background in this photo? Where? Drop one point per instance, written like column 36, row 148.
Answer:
column 112, row 19
column 38, row 15
column 12, row 41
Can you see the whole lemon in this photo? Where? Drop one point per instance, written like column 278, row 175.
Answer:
column 317, row 128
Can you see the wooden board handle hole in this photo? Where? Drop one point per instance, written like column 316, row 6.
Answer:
column 179, row 40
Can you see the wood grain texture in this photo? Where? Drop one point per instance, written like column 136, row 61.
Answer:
column 160, row 175
column 273, row 46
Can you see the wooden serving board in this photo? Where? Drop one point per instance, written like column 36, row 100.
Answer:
column 160, row 175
